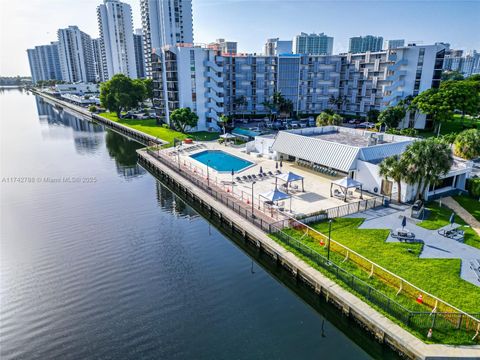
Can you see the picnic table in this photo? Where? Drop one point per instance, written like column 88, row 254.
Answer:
column 455, row 234
column 403, row 234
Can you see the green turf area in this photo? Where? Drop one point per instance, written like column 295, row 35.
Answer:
column 150, row 126
column 440, row 216
column 439, row 277
column 456, row 125
column 470, row 204
column 204, row 135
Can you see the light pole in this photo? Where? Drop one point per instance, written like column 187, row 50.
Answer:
column 208, row 173
column 329, row 233
column 253, row 207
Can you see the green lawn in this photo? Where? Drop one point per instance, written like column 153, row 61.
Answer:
column 470, row 204
column 440, row 277
column 456, row 125
column 440, row 216
column 149, row 126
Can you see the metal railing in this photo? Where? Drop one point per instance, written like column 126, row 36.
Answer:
column 239, row 202
column 442, row 314
column 354, row 207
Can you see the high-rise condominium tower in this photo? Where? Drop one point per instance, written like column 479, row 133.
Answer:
column 116, row 39
column 165, row 22
column 360, row 44
column 76, row 55
column 313, row 44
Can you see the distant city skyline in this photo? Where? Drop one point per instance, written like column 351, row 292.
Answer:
column 28, row 24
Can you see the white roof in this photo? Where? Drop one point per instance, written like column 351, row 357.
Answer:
column 337, row 156
column 289, row 177
column 274, row 195
column 347, row 182
column 381, row 151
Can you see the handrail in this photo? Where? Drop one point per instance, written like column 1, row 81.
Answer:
column 383, row 269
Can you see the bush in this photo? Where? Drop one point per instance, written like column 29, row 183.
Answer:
column 467, row 144
column 165, row 126
column 92, row 108
column 406, row 132
column 473, row 187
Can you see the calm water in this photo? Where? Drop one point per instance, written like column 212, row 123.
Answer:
column 100, row 261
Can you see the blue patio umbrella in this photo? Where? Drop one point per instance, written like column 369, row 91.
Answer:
column 404, row 222
column 452, row 218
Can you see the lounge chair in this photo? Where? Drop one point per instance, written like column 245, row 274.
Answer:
column 244, row 178
column 254, row 177
column 270, row 173
column 238, row 179
column 249, row 177
column 278, row 172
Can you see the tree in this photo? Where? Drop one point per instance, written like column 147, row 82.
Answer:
column 267, row 105
column 372, row 115
column 120, row 93
column 148, row 83
column 462, row 95
column 393, row 167
column 223, row 120
column 338, row 101
column 392, row 116
column 425, row 162
column 240, row 102
column 467, row 144
column 433, row 102
column 452, row 75
column 183, row 118
column 325, row 118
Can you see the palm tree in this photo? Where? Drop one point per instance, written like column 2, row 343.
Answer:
column 393, row 167
column 223, row 120
column 241, row 101
column 268, row 106
column 426, row 161
column 338, row 101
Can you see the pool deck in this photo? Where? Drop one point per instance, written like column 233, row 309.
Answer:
column 316, row 196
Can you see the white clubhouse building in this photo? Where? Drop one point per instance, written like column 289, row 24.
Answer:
column 356, row 154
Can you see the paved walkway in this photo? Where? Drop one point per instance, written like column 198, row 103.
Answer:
column 464, row 214
column 436, row 246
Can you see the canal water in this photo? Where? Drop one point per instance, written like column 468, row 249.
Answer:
column 99, row 260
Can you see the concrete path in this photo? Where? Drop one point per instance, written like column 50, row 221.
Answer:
column 436, row 246
column 464, row 214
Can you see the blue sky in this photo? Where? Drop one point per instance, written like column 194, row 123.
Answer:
column 24, row 24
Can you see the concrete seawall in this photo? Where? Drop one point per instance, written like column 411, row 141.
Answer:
column 384, row 329
column 122, row 129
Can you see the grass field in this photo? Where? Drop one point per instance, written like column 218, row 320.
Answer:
column 456, row 125
column 150, row 126
column 439, row 277
column 470, row 204
column 440, row 216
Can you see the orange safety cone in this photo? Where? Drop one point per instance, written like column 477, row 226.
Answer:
column 420, row 299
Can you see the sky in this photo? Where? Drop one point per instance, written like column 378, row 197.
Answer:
column 24, row 24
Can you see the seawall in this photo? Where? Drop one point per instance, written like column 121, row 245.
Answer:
column 385, row 330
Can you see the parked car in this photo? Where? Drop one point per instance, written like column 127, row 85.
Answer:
column 366, row 125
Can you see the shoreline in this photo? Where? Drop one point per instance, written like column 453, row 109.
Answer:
column 385, row 330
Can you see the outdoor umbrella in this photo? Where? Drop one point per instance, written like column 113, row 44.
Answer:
column 276, row 165
column 233, row 173
column 452, row 218
column 404, row 222
column 261, row 170
column 281, row 163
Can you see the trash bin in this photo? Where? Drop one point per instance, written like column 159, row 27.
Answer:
column 386, row 202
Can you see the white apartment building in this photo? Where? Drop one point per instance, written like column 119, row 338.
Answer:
column 116, row 39
column 165, row 22
column 98, row 60
column 189, row 76
column 76, row 55
column 44, row 62
column 275, row 46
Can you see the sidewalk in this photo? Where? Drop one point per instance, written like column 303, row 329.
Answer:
column 464, row 214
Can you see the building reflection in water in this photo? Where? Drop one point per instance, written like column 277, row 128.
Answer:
column 173, row 204
column 89, row 137
column 123, row 150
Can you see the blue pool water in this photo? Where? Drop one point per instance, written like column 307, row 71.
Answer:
column 221, row 161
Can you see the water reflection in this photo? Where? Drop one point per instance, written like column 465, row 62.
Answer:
column 89, row 137
column 171, row 203
column 123, row 150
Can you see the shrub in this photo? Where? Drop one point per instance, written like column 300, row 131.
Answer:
column 165, row 126
column 473, row 187
column 467, row 144
column 92, row 108
column 406, row 132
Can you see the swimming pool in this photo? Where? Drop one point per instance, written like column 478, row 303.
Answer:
column 221, row 161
